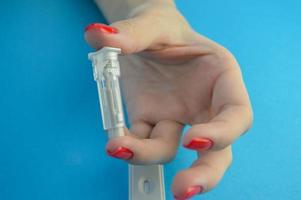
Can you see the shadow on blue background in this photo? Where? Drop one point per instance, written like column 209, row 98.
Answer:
column 51, row 139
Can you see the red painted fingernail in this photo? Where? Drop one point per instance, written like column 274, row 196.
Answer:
column 121, row 153
column 191, row 191
column 101, row 27
column 199, row 144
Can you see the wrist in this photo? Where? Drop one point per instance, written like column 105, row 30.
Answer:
column 123, row 9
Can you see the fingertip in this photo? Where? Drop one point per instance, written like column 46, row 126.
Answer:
column 199, row 144
column 190, row 192
column 208, row 136
column 206, row 172
column 114, row 143
column 98, row 35
column 198, row 138
column 93, row 40
column 120, row 147
column 186, row 185
column 121, row 153
column 130, row 35
column 103, row 28
column 97, row 40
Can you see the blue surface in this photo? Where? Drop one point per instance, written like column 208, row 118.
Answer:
column 51, row 140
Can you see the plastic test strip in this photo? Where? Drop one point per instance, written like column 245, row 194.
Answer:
column 146, row 182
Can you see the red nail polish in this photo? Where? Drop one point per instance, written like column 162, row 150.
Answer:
column 121, row 153
column 101, row 27
column 191, row 191
column 199, row 144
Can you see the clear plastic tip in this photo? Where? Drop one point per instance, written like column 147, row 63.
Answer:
column 106, row 72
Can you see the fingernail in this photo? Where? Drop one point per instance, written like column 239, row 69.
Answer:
column 199, row 144
column 101, row 27
column 121, row 153
column 191, row 191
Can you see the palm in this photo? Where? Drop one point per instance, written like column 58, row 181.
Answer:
column 161, row 90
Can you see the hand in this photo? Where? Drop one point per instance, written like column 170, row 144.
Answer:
column 172, row 76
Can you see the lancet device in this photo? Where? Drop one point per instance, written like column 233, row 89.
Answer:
column 106, row 72
column 146, row 182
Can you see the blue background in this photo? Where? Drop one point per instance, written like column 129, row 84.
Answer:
column 51, row 139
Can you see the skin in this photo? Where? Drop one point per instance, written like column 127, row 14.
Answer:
column 173, row 76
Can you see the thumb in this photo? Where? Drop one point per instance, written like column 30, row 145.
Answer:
column 131, row 35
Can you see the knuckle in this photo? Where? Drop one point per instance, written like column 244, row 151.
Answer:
column 226, row 57
column 249, row 118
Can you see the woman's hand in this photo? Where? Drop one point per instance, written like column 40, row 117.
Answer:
column 173, row 76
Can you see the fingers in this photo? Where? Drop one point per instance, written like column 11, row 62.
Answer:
column 203, row 175
column 232, row 115
column 160, row 147
column 131, row 35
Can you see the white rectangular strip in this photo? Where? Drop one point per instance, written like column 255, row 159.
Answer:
column 146, row 182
